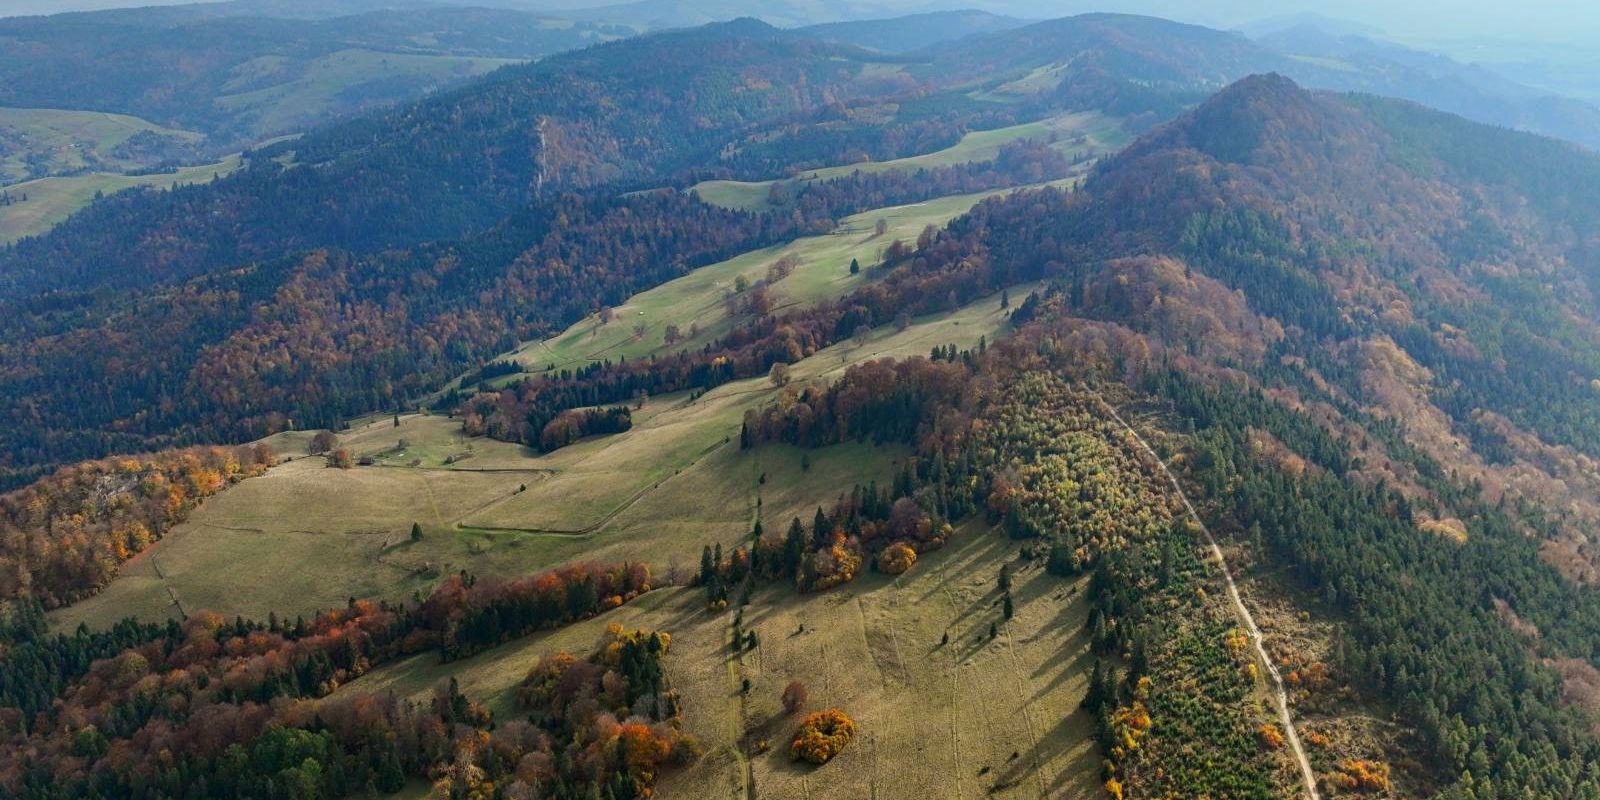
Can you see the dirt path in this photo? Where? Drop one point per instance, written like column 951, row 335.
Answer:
column 955, row 684
column 1027, row 718
column 736, row 712
column 1280, row 697
column 596, row 526
column 171, row 595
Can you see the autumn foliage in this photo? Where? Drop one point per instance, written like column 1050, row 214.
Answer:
column 822, row 736
column 896, row 558
column 622, row 719
column 1362, row 776
column 200, row 688
column 64, row 537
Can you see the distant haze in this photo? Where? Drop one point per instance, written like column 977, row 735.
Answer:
column 1539, row 20
column 1553, row 20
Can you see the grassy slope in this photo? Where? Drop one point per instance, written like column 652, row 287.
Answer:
column 659, row 491
column 72, row 138
column 697, row 298
column 52, row 200
column 305, row 537
column 1101, row 133
column 934, row 720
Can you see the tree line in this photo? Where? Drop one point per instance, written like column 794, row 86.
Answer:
column 216, row 708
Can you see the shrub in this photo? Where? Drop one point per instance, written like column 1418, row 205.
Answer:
column 1270, row 737
column 1362, row 775
column 323, row 442
column 896, row 558
column 822, row 736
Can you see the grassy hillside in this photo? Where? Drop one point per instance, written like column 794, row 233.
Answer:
column 38, row 205
column 696, row 301
column 655, row 493
column 35, row 142
column 1079, row 136
column 935, row 718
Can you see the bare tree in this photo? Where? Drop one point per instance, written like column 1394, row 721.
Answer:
column 323, row 442
column 794, row 697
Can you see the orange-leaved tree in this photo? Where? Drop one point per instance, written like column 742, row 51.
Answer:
column 822, row 736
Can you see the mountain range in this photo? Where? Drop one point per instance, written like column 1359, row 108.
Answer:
column 1100, row 406
column 745, row 100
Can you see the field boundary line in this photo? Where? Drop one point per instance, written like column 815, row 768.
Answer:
column 610, row 516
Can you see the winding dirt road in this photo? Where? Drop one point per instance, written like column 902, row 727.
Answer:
column 1279, row 696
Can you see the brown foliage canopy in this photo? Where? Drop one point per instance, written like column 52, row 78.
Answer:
column 64, row 537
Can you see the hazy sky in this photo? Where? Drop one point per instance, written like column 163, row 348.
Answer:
column 1537, row 19
column 1553, row 20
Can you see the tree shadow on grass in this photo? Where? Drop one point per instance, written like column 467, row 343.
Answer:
column 1077, row 781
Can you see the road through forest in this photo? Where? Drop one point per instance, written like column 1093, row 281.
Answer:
column 1279, row 695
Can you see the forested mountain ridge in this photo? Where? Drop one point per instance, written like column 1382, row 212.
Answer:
column 748, row 101
column 239, row 76
column 453, row 163
column 1434, row 271
column 1138, row 67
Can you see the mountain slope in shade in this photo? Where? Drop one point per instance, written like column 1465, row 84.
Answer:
column 742, row 98
column 913, row 32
